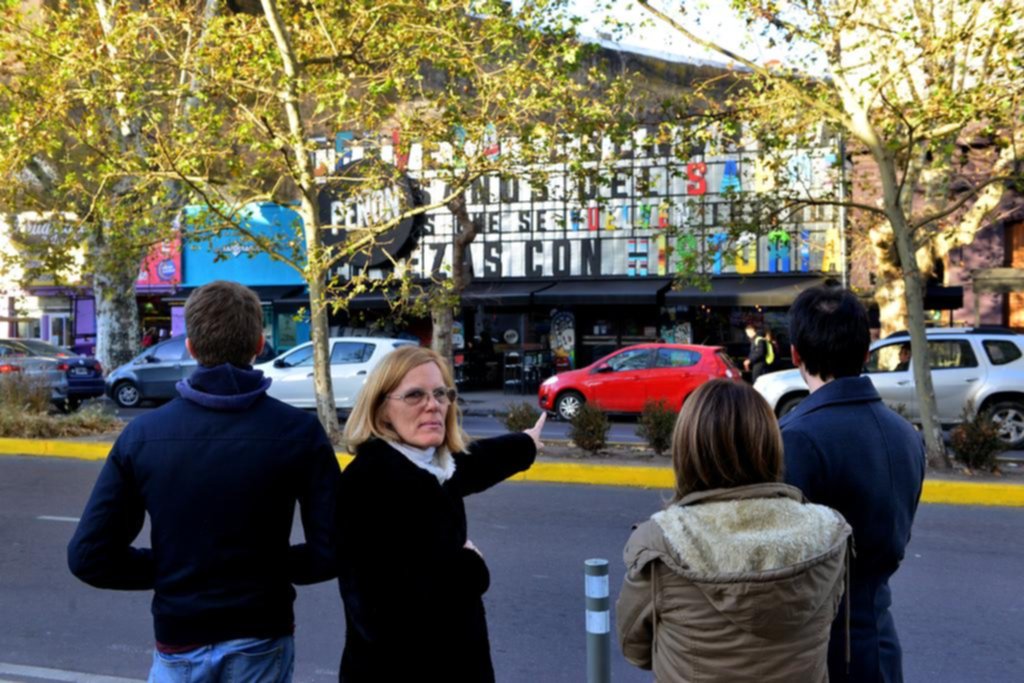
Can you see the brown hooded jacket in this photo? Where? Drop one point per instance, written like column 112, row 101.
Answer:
column 731, row 585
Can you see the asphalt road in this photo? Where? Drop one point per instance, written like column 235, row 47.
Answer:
column 959, row 605
column 623, row 429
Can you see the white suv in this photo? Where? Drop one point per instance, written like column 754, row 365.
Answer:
column 983, row 367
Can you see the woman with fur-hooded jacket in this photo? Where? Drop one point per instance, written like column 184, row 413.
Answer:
column 411, row 580
column 738, row 579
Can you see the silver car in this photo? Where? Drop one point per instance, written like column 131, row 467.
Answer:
column 352, row 359
column 15, row 359
column 152, row 374
column 979, row 367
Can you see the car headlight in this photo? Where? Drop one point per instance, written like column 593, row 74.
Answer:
column 549, row 381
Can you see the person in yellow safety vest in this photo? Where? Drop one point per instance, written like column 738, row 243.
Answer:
column 771, row 349
column 757, row 359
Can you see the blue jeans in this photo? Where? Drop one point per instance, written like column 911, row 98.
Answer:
column 246, row 660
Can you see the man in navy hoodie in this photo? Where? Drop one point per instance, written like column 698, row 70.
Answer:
column 219, row 471
column 845, row 449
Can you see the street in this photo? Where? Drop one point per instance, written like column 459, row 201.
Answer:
column 958, row 602
column 623, row 428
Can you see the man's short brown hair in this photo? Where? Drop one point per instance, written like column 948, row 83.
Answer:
column 726, row 436
column 224, row 323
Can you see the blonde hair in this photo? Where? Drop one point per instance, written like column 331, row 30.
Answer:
column 367, row 418
column 726, row 435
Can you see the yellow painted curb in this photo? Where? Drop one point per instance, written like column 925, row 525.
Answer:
column 941, row 491
column 972, row 493
column 80, row 450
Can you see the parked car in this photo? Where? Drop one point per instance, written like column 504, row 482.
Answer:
column 623, row 381
column 153, row 374
column 352, row 359
column 84, row 373
column 980, row 367
column 15, row 359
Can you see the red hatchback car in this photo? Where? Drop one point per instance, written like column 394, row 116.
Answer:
column 622, row 382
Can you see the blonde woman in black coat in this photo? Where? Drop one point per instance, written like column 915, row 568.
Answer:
column 411, row 579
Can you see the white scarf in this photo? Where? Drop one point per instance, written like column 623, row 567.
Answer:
column 437, row 461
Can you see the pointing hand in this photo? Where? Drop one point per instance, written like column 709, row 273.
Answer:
column 536, row 429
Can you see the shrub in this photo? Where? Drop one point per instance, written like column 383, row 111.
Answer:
column 657, row 421
column 589, row 428
column 24, row 406
column 976, row 441
column 520, row 416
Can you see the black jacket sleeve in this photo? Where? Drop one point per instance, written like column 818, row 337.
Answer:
column 758, row 354
column 491, row 461
column 314, row 560
column 100, row 553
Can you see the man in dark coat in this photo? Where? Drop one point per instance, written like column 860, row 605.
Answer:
column 845, row 449
column 757, row 359
column 219, row 471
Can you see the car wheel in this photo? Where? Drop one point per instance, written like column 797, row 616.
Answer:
column 568, row 404
column 127, row 395
column 1009, row 416
column 789, row 404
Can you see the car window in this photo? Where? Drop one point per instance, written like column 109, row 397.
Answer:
column 169, row 351
column 885, row 359
column 952, row 353
column 676, row 358
column 635, row 359
column 351, row 352
column 302, row 356
column 1001, row 351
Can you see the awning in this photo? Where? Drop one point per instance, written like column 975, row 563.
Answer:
column 642, row 291
column 749, row 291
column 507, row 292
column 266, row 293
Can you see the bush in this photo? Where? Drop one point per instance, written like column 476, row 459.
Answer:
column 23, row 394
column 657, row 421
column 25, row 413
column 976, row 441
column 589, row 428
column 520, row 416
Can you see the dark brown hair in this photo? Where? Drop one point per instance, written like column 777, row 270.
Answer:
column 726, row 436
column 225, row 323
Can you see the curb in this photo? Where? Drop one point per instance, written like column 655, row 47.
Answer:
column 937, row 491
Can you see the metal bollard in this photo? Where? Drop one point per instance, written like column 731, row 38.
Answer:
column 599, row 647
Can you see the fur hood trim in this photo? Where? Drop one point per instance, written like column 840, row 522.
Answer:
column 760, row 556
column 748, row 535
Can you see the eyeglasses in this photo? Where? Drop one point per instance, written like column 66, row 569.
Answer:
column 417, row 397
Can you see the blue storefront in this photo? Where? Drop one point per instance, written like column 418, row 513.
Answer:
column 230, row 256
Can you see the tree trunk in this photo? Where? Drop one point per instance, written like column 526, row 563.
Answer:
column 442, row 311
column 117, row 315
column 442, row 316
column 316, row 275
column 914, row 294
column 890, row 295
column 326, row 409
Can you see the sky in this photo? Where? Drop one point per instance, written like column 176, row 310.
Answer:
column 650, row 35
